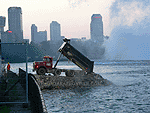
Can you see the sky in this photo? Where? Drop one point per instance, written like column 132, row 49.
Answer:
column 74, row 16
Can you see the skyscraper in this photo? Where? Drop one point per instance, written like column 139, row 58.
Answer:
column 33, row 32
column 96, row 28
column 55, row 33
column 2, row 24
column 15, row 22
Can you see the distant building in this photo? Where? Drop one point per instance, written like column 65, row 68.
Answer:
column 62, row 37
column 83, row 39
column 26, row 41
column 38, row 37
column 75, row 39
column 55, row 32
column 33, row 32
column 15, row 22
column 96, row 28
column 106, row 37
column 2, row 24
column 41, row 36
column 8, row 37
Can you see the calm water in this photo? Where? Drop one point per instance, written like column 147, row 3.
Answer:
column 130, row 91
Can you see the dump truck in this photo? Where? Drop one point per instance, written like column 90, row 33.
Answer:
column 46, row 66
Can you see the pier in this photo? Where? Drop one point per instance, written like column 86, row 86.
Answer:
column 13, row 94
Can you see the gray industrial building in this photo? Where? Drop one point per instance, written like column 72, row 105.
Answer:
column 55, row 32
column 15, row 22
column 96, row 28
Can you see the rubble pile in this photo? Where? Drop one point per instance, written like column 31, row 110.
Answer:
column 81, row 79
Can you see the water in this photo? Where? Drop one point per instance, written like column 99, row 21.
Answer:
column 130, row 91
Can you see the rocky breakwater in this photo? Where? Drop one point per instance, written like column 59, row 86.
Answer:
column 80, row 79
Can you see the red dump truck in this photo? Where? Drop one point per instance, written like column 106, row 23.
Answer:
column 46, row 66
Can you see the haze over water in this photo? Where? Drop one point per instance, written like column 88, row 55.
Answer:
column 130, row 34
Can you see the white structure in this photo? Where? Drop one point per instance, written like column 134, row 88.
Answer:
column 15, row 22
column 96, row 28
column 55, row 32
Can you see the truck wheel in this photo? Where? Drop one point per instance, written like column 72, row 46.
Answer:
column 57, row 72
column 69, row 73
column 41, row 71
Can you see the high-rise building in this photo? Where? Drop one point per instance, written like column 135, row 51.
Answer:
column 96, row 28
column 15, row 22
column 55, row 32
column 2, row 24
column 41, row 36
column 33, row 32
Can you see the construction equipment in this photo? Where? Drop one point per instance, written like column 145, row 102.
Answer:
column 69, row 52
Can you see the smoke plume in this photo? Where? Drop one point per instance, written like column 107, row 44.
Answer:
column 129, row 30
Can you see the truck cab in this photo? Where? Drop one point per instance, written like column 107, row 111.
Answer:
column 44, row 66
column 48, row 61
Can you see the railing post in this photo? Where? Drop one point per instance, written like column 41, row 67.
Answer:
column 26, row 72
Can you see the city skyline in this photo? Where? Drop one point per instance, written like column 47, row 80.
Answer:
column 74, row 16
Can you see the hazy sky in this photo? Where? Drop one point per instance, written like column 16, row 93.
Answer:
column 73, row 15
